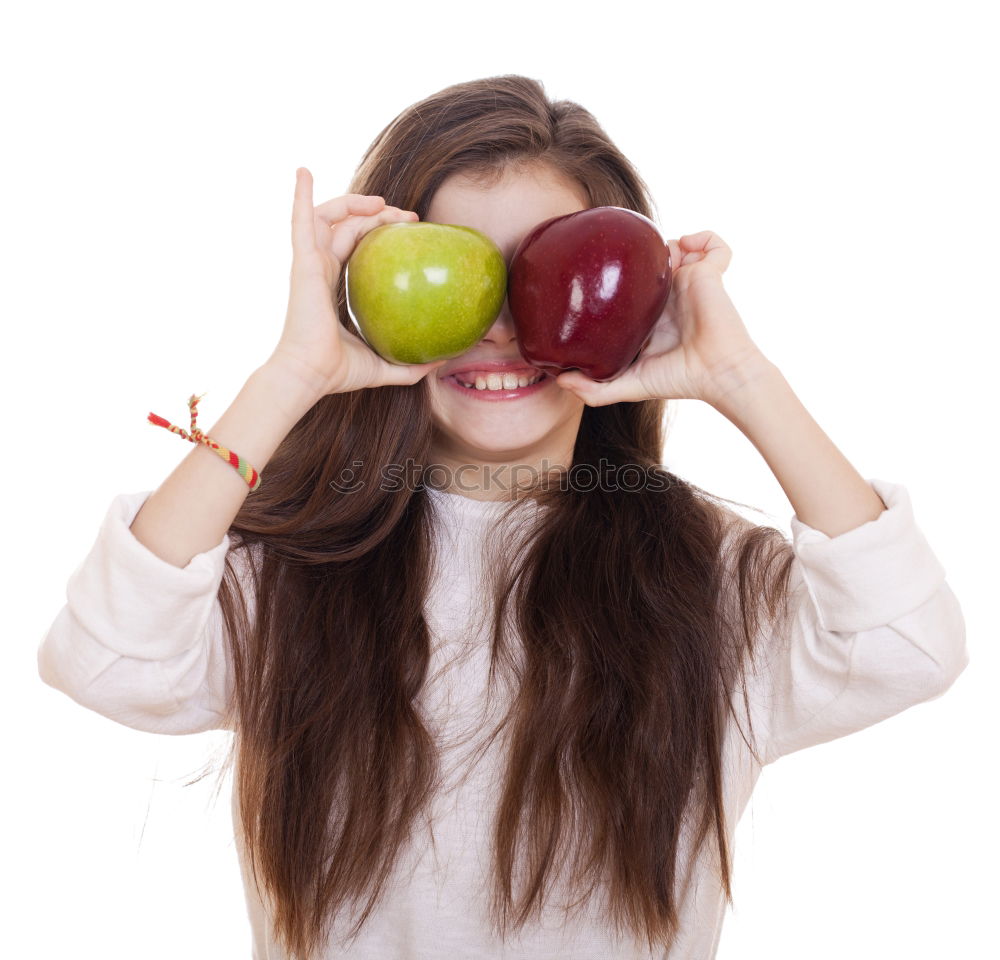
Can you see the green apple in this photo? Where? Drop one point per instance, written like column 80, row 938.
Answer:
column 420, row 291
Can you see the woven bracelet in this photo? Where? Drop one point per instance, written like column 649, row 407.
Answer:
column 244, row 469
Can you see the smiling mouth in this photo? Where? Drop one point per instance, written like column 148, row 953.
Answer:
column 496, row 381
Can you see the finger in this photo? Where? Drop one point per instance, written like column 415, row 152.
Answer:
column 676, row 254
column 597, row 394
column 303, row 228
column 402, row 374
column 339, row 207
column 698, row 241
column 347, row 234
column 385, row 215
column 705, row 245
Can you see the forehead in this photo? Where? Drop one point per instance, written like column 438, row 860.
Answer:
column 507, row 208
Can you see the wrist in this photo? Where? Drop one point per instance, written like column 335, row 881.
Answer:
column 306, row 379
column 737, row 385
column 292, row 393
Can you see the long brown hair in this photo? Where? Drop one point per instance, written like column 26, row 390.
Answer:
column 631, row 625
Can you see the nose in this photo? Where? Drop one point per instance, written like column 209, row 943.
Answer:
column 502, row 332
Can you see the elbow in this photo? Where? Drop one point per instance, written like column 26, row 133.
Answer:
column 49, row 665
column 944, row 641
column 918, row 656
column 131, row 692
column 952, row 667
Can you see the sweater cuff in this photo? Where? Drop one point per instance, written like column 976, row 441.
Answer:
column 133, row 601
column 871, row 575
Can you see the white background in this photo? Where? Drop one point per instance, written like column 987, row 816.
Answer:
column 845, row 153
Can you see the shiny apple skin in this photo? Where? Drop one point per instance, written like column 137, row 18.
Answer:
column 420, row 291
column 586, row 289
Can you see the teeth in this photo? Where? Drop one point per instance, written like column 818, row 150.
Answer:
column 500, row 381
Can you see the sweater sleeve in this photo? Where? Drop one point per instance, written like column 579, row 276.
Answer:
column 873, row 629
column 140, row 640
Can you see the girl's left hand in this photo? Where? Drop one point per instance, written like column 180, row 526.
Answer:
column 698, row 339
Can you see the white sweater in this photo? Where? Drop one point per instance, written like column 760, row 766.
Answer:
column 876, row 630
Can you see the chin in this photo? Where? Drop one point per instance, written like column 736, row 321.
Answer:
column 502, row 431
column 494, row 434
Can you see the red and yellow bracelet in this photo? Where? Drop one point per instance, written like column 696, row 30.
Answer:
column 244, row 469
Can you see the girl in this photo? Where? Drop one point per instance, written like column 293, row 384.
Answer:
column 491, row 697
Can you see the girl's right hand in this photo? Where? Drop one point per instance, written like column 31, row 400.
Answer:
column 315, row 347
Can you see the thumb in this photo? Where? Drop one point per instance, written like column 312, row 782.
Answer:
column 409, row 373
column 596, row 393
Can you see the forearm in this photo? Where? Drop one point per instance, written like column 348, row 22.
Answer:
column 196, row 504
column 825, row 490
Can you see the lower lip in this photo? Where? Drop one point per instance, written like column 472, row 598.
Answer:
column 494, row 395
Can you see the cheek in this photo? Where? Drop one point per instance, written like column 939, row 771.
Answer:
column 438, row 402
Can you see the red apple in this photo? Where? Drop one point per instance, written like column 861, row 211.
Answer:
column 586, row 289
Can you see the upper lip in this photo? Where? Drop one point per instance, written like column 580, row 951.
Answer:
column 495, row 366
